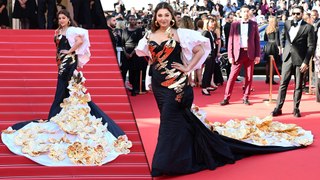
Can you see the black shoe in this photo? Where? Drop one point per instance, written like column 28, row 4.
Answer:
column 224, row 102
column 296, row 113
column 133, row 93
column 276, row 112
column 273, row 82
column 246, row 102
column 205, row 93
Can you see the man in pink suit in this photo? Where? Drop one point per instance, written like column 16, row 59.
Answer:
column 243, row 50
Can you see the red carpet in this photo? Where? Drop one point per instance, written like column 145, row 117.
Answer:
column 28, row 75
column 298, row 164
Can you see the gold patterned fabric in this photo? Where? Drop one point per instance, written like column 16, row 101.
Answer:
column 263, row 132
column 174, row 79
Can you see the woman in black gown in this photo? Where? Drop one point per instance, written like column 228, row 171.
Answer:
column 272, row 47
column 73, row 52
column 185, row 144
column 67, row 62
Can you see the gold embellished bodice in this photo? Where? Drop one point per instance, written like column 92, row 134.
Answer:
column 163, row 55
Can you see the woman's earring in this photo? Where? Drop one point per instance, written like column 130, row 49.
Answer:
column 156, row 23
column 172, row 22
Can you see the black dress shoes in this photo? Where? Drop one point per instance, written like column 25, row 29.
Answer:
column 296, row 113
column 246, row 102
column 276, row 112
column 224, row 102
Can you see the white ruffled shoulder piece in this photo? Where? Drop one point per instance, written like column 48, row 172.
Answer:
column 83, row 51
column 188, row 40
column 142, row 48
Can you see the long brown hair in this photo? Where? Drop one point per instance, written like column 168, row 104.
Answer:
column 163, row 5
column 215, row 22
column 186, row 22
column 273, row 25
column 67, row 14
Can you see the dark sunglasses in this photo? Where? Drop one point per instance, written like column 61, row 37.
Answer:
column 296, row 13
column 139, row 22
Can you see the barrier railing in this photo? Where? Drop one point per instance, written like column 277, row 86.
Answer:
column 272, row 64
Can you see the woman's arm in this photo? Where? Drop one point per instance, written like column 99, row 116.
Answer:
column 198, row 52
column 77, row 44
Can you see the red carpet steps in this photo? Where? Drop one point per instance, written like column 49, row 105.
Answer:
column 27, row 84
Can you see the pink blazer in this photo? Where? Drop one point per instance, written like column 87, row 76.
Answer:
column 253, row 41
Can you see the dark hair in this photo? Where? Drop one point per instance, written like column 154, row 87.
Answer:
column 229, row 14
column 299, row 7
column 200, row 24
column 66, row 13
column 131, row 16
column 186, row 22
column 245, row 6
column 109, row 17
column 177, row 13
column 163, row 5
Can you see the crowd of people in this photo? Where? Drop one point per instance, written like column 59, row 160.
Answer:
column 181, row 45
column 209, row 17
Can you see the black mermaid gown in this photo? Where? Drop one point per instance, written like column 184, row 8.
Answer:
column 67, row 64
column 185, row 145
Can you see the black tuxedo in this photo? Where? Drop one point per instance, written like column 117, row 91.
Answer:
column 301, row 48
column 296, row 51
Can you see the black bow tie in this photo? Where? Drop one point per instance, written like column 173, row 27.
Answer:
column 294, row 24
column 245, row 22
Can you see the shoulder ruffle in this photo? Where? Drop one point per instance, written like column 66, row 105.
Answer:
column 83, row 51
column 142, row 48
column 188, row 40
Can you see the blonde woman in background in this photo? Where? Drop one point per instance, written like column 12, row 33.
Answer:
column 272, row 48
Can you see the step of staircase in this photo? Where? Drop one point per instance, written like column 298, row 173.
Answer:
column 28, row 77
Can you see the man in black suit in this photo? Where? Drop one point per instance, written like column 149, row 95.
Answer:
column 226, row 30
column 298, row 40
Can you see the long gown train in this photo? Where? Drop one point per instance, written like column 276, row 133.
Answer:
column 187, row 144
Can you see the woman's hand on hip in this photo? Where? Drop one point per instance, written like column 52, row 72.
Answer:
column 64, row 51
column 180, row 67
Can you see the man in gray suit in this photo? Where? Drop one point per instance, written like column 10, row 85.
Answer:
column 298, row 40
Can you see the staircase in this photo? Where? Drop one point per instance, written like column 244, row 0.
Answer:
column 28, row 75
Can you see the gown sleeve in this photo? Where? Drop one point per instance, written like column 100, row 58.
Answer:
column 188, row 40
column 83, row 51
column 142, row 48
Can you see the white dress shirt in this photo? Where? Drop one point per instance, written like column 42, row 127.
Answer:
column 294, row 30
column 244, row 35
